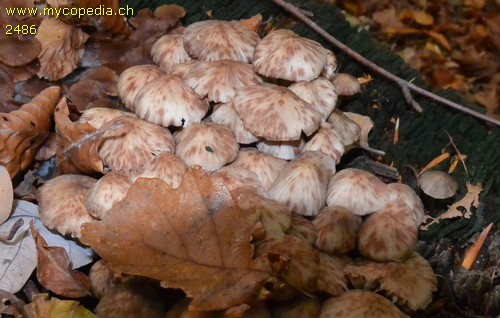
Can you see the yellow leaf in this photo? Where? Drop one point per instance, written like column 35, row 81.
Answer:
column 423, row 18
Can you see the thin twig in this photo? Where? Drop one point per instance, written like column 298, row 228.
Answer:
column 405, row 86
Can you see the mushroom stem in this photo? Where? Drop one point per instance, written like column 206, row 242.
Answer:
column 405, row 86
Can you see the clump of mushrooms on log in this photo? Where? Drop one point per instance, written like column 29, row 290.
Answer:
column 254, row 114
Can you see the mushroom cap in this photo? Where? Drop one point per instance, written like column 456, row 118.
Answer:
column 346, row 84
column 133, row 146
column 275, row 113
column 225, row 115
column 409, row 283
column 302, row 228
column 168, row 51
column 182, row 69
column 107, row 191
column 208, row 145
column 98, row 116
column 219, row 80
column 347, row 129
column 61, row 203
column 331, row 65
column 168, row 101
column 219, row 40
column 286, row 55
column 168, row 167
column 437, row 184
column 301, row 184
column 326, row 140
column 265, row 166
column 360, row 304
column 286, row 150
column 320, row 93
column 359, row 191
column 401, row 191
column 18, row 52
column 237, row 179
column 133, row 79
column 337, row 230
column 390, row 234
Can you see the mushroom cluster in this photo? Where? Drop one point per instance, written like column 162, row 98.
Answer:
column 260, row 115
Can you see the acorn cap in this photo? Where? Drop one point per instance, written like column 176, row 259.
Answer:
column 107, row 191
column 133, row 79
column 168, row 51
column 219, row 40
column 359, row 191
column 266, row 167
column 437, row 184
column 286, row 55
column 225, row 115
column 319, row 92
column 168, row 101
column 61, row 203
column 326, row 140
column 134, row 145
column 98, row 116
column 286, row 150
column 167, row 167
column 275, row 113
column 337, row 230
column 219, row 80
column 208, row 145
column 390, row 234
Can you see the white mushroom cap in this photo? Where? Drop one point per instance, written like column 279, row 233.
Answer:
column 61, row 203
column 168, row 101
column 437, row 184
column 168, row 167
column 133, row 146
column 219, row 80
column 319, row 92
column 108, row 190
column 359, row 191
column 275, row 113
column 98, row 116
column 286, row 150
column 266, row 167
column 286, row 55
column 168, row 51
column 133, row 79
column 208, row 145
column 400, row 191
column 218, row 40
column 347, row 129
column 226, row 115
column 330, row 66
column 326, row 140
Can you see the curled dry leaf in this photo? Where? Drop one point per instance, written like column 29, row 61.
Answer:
column 194, row 238
column 113, row 23
column 53, row 270
column 11, row 306
column 79, row 143
column 43, row 306
column 6, row 194
column 23, row 131
column 60, row 48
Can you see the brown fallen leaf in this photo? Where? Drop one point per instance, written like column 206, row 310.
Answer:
column 23, row 131
column 44, row 306
column 113, row 23
column 54, row 270
column 194, row 238
column 6, row 194
column 11, row 306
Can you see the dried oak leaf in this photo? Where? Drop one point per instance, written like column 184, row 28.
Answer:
column 113, row 23
column 61, row 45
column 195, row 238
column 54, row 270
column 79, row 143
column 23, row 131
column 44, row 306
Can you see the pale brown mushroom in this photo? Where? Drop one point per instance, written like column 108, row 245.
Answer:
column 133, row 79
column 319, row 92
column 168, row 51
column 437, row 184
column 286, row 150
column 226, row 115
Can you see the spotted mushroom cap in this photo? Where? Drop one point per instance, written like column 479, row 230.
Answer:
column 437, row 184
column 182, row 69
column 108, row 190
column 133, row 79
column 360, row 304
column 390, row 234
column 167, row 167
column 218, row 40
column 346, row 84
column 331, row 65
column 168, row 101
column 98, row 116
column 61, row 203
column 133, row 146
column 400, row 191
column 236, row 178
column 326, row 140
column 286, row 150
column 266, row 167
column 275, row 113
column 319, row 92
column 225, row 115
column 347, row 129
column 168, row 51
column 359, row 191
column 208, row 145
column 286, row 55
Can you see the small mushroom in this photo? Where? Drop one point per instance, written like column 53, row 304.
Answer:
column 208, row 145
column 98, row 116
column 400, row 191
column 326, row 140
column 225, row 115
column 286, row 55
column 346, row 84
column 347, row 130
column 133, row 79
column 437, row 184
column 330, row 67
column 166, row 166
column 169, row 51
column 237, row 180
column 319, row 92
column 286, row 150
